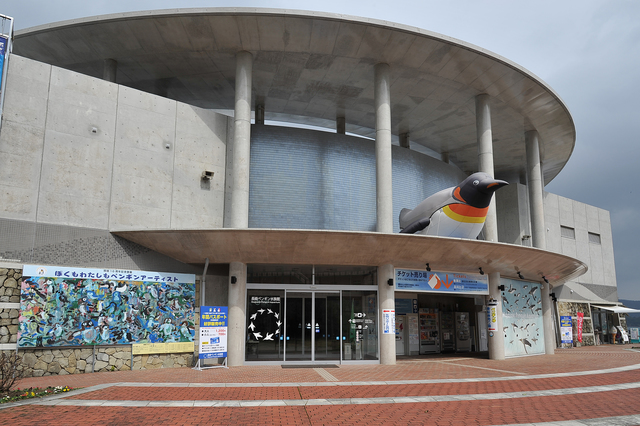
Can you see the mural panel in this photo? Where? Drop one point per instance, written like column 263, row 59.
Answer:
column 76, row 306
column 522, row 318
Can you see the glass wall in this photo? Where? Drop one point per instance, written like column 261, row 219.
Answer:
column 264, row 334
column 359, row 325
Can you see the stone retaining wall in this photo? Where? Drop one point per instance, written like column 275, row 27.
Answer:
column 48, row 362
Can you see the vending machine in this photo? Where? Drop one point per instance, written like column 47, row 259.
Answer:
column 447, row 332
column 429, row 336
column 463, row 332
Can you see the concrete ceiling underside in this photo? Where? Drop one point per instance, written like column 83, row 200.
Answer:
column 307, row 247
column 310, row 68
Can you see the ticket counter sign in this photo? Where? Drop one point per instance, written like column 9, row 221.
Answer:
column 213, row 331
column 414, row 280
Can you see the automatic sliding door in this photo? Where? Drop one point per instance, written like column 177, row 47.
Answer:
column 298, row 325
column 327, row 326
column 312, row 326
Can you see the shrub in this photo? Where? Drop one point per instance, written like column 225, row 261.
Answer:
column 11, row 369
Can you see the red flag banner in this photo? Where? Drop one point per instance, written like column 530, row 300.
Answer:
column 580, row 321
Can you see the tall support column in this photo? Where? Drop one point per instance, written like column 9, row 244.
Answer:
column 382, row 99
column 237, row 314
column 239, row 212
column 386, row 301
column 538, row 229
column 110, row 69
column 485, row 164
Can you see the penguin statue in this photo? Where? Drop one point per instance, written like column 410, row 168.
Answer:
column 457, row 212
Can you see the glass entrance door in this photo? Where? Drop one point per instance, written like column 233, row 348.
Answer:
column 312, row 326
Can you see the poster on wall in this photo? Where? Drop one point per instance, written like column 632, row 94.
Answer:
column 213, row 332
column 566, row 330
column 492, row 316
column 522, row 318
column 441, row 282
column 388, row 321
column 61, row 306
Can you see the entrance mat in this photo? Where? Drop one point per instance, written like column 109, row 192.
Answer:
column 310, row 366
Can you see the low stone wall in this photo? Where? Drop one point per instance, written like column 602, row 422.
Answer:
column 48, row 362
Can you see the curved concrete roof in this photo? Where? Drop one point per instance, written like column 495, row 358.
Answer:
column 287, row 246
column 311, row 67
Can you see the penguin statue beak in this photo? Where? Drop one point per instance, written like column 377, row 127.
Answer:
column 489, row 186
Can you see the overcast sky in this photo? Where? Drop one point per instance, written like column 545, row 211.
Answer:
column 588, row 51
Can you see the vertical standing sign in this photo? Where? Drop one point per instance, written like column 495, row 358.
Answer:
column 566, row 329
column 213, row 333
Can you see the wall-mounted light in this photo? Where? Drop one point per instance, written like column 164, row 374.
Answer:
column 553, row 297
column 545, row 279
column 206, row 175
column 520, row 276
column 390, row 281
column 234, row 279
column 481, row 271
column 501, row 287
column 428, row 268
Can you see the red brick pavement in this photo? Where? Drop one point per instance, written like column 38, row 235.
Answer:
column 480, row 412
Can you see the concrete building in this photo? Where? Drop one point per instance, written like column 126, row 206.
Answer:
column 277, row 148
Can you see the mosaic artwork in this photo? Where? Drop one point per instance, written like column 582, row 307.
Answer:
column 94, row 308
column 522, row 318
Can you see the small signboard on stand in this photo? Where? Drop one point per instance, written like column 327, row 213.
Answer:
column 213, row 335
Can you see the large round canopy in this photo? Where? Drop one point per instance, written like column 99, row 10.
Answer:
column 313, row 67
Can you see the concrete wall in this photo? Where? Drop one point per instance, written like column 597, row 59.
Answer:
column 599, row 283
column 82, row 152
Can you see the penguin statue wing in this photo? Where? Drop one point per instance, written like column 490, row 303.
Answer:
column 459, row 211
column 412, row 221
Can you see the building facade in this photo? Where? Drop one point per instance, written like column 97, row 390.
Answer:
column 270, row 153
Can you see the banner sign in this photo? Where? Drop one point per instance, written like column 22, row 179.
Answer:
column 162, row 348
column 566, row 330
column 388, row 321
column 492, row 316
column 580, row 322
column 3, row 54
column 213, row 331
column 62, row 306
column 441, row 282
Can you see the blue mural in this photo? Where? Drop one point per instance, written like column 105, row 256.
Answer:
column 93, row 307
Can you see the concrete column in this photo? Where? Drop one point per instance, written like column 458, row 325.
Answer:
column 485, row 159
column 404, row 140
column 386, row 301
column 536, row 190
column 259, row 114
column 485, row 164
column 239, row 211
column 110, row 69
column 382, row 99
column 237, row 315
column 341, row 125
column 538, row 229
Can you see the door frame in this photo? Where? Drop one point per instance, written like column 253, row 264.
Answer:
column 322, row 288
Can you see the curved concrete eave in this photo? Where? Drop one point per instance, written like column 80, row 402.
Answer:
column 277, row 246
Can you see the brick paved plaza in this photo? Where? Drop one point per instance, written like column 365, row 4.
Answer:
column 592, row 385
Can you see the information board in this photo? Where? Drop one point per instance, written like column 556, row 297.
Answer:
column 213, row 332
